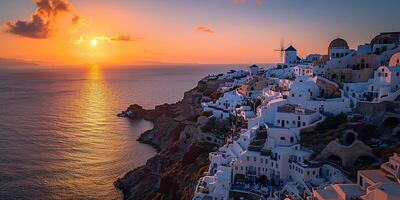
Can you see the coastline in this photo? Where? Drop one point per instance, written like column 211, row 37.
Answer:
column 175, row 137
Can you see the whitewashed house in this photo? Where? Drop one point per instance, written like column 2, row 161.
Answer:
column 224, row 106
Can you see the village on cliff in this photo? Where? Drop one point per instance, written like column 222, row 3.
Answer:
column 302, row 129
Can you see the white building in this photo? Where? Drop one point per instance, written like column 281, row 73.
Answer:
column 291, row 57
column 254, row 69
column 385, row 82
column 302, row 70
column 338, row 48
column 312, row 58
column 215, row 186
column 303, row 88
column 292, row 116
column 224, row 106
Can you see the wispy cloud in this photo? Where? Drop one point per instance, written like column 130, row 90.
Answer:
column 258, row 2
column 204, row 29
column 122, row 38
column 103, row 38
column 41, row 22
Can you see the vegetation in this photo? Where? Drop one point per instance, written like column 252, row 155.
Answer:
column 207, row 113
column 220, row 127
column 331, row 122
column 216, row 95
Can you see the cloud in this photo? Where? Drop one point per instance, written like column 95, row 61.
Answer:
column 103, row 38
column 204, row 29
column 258, row 2
column 40, row 24
column 122, row 38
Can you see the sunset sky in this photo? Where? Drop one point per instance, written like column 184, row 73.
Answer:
column 122, row 32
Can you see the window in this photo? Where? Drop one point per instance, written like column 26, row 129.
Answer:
column 255, row 159
column 304, row 123
column 291, row 139
column 282, row 138
column 248, row 158
column 279, row 121
column 261, row 160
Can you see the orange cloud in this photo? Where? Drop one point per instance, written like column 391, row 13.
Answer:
column 204, row 29
column 122, row 38
column 103, row 38
column 41, row 22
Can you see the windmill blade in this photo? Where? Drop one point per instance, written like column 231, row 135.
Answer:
column 282, row 48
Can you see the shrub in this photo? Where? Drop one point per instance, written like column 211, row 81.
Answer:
column 331, row 122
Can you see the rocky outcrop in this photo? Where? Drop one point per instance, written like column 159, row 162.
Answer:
column 348, row 151
column 182, row 158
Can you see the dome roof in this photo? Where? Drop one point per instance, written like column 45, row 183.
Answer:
column 339, row 43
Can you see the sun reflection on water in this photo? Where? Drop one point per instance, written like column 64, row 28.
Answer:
column 95, row 146
column 95, row 73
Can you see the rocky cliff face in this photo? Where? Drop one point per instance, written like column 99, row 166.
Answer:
column 182, row 158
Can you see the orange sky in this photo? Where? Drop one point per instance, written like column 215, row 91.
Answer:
column 209, row 31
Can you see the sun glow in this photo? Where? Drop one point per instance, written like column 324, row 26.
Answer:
column 93, row 42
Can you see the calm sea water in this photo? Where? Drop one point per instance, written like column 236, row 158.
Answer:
column 59, row 134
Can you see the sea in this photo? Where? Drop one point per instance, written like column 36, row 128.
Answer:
column 60, row 137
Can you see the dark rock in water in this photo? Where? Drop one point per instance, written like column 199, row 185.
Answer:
column 135, row 111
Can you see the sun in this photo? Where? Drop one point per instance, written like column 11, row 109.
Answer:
column 93, row 42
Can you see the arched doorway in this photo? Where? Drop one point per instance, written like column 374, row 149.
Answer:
column 263, row 180
column 334, row 77
column 350, row 138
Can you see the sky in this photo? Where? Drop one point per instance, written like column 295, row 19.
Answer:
column 123, row 32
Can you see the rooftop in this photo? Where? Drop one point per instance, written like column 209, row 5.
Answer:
column 376, row 176
column 339, row 43
column 290, row 48
column 331, row 192
column 293, row 108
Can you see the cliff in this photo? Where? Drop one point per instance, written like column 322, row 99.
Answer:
column 182, row 157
